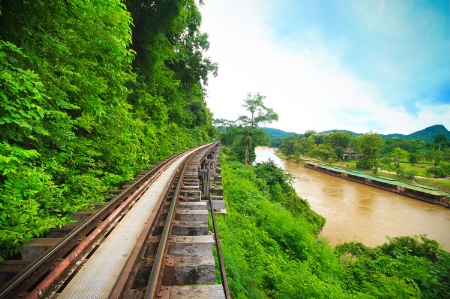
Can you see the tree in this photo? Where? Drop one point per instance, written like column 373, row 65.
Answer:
column 305, row 144
column 243, row 140
column 91, row 92
column 371, row 144
column 399, row 154
column 440, row 140
column 414, row 158
column 309, row 133
column 324, row 152
column 244, row 135
column 338, row 141
column 259, row 113
column 289, row 145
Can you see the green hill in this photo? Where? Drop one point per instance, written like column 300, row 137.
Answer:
column 350, row 132
column 426, row 134
column 276, row 133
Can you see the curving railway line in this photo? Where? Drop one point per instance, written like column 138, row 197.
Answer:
column 151, row 240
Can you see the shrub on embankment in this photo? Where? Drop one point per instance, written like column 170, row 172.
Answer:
column 271, row 251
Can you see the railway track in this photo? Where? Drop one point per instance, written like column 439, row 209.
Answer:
column 151, row 240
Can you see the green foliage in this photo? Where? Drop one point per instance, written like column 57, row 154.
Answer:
column 402, row 172
column 338, row 141
column 324, row 152
column 244, row 135
column 259, row 113
column 29, row 201
column 242, row 141
column 412, row 246
column 277, row 134
column 406, row 267
column 271, row 250
column 281, row 191
column 398, row 155
column 290, row 146
column 372, row 152
column 371, row 144
column 21, row 98
column 441, row 172
column 85, row 104
column 428, row 133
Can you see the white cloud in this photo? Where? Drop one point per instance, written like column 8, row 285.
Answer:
column 307, row 87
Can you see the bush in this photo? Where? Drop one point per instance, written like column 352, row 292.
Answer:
column 402, row 172
column 271, row 249
column 441, row 171
column 404, row 267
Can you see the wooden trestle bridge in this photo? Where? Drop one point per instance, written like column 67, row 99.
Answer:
column 152, row 239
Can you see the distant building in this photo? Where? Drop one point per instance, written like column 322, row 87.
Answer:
column 349, row 154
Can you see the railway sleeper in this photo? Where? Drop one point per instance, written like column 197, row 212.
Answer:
column 83, row 215
column 218, row 204
column 214, row 190
column 217, row 179
column 37, row 246
column 9, row 269
column 182, row 270
column 218, row 171
column 190, row 187
column 184, row 228
column 190, row 228
column 192, row 215
column 61, row 232
column 191, row 245
column 191, row 176
column 183, row 245
column 191, row 181
column 179, row 270
column 109, row 193
column 192, row 292
column 191, row 195
column 192, row 205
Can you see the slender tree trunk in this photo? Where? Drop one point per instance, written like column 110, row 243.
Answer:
column 246, row 157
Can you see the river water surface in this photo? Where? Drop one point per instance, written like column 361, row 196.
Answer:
column 356, row 212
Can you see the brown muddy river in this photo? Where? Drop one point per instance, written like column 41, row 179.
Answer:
column 356, row 212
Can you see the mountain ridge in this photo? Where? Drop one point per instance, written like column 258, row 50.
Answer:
column 426, row 134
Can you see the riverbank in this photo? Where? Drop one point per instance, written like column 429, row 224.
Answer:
column 272, row 252
column 440, row 184
column 420, row 192
column 363, row 213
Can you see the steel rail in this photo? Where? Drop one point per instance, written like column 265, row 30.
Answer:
column 78, row 237
column 156, row 270
column 124, row 282
column 44, row 261
column 223, row 273
column 55, row 274
column 129, row 269
column 155, row 276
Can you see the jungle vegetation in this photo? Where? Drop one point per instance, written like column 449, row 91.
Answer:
column 243, row 135
column 269, row 234
column 91, row 92
column 271, row 250
column 406, row 157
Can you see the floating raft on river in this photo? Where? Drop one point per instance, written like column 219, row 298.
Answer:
column 424, row 193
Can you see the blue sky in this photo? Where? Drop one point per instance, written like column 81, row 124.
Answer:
column 372, row 65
